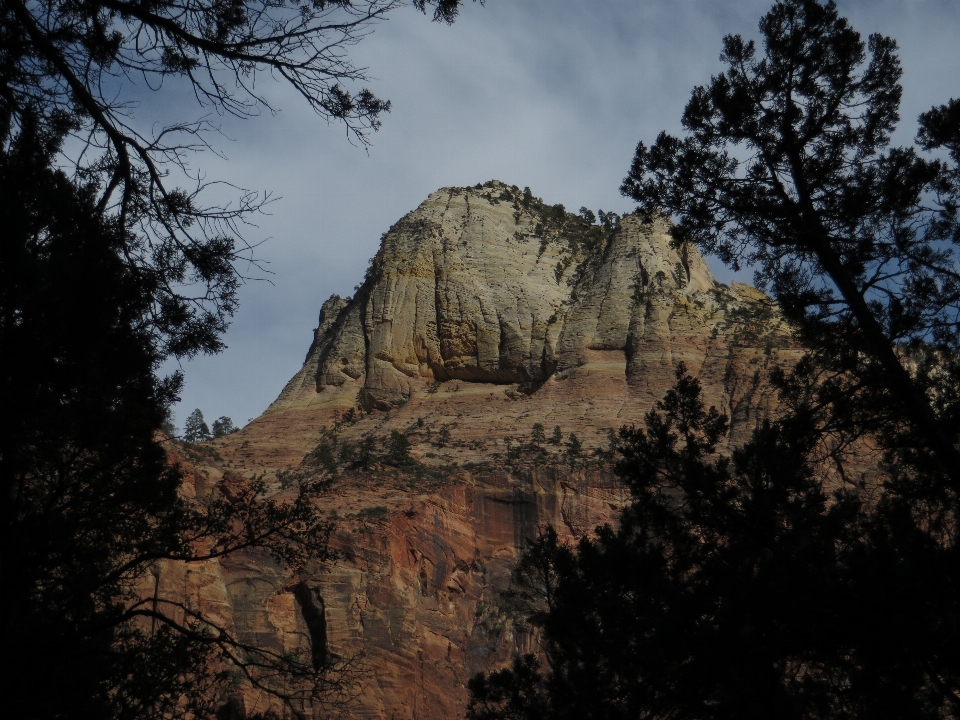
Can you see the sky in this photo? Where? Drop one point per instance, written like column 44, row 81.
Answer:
column 550, row 94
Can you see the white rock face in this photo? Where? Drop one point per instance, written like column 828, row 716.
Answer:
column 483, row 285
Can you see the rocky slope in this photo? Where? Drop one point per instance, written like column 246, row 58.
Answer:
column 484, row 312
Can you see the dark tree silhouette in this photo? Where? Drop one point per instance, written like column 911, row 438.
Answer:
column 443, row 437
column 777, row 582
column 90, row 504
column 516, row 693
column 106, row 273
column 195, row 428
column 397, row 448
column 538, row 436
column 557, row 437
column 736, row 587
column 786, row 166
column 81, row 67
column 223, row 426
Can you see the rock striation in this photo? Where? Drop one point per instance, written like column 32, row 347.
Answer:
column 484, row 312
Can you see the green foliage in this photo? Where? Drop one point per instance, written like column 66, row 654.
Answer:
column 680, row 275
column 398, row 449
column 346, row 453
column 751, row 323
column 640, row 282
column 364, row 404
column 195, row 428
column 333, row 456
column 344, row 419
column 443, row 437
column 544, row 241
column 574, row 446
column 366, row 451
column 538, row 436
column 223, row 426
column 325, row 455
column 610, row 220
column 613, row 445
column 582, row 242
column 557, row 437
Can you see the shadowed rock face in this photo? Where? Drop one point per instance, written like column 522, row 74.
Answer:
column 481, row 315
column 313, row 610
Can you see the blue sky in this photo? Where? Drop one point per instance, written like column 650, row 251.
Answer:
column 553, row 94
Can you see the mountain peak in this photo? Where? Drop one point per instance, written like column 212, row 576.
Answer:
column 486, row 313
column 489, row 284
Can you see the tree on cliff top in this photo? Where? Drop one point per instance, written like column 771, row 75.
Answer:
column 760, row 585
column 195, row 428
column 223, row 426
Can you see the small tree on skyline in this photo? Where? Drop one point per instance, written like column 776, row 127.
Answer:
column 223, row 426
column 195, row 429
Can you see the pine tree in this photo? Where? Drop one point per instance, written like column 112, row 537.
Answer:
column 740, row 585
column 538, row 436
column 195, row 428
column 91, row 506
column 167, row 426
column 223, row 426
column 366, row 451
column 91, row 304
column 786, row 166
column 398, row 449
column 777, row 582
column 443, row 437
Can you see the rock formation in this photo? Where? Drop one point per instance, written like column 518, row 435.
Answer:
column 484, row 312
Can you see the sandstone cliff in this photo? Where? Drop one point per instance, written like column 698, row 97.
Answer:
column 484, row 312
